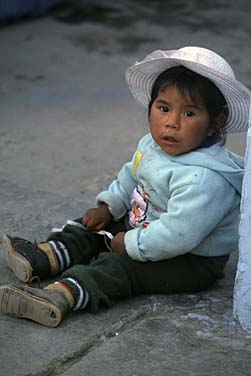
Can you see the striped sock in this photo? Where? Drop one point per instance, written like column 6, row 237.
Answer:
column 80, row 294
column 62, row 253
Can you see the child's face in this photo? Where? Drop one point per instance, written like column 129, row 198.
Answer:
column 177, row 124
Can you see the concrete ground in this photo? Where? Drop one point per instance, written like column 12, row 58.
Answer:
column 67, row 124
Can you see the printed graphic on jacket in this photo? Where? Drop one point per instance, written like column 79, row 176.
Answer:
column 139, row 205
column 136, row 162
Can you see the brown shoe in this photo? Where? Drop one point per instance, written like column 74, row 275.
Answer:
column 27, row 259
column 44, row 306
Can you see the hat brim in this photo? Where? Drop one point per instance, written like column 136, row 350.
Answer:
column 141, row 77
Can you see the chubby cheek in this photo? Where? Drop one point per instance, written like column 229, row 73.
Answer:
column 202, row 134
column 155, row 126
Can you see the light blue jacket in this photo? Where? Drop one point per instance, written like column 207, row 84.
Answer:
column 178, row 204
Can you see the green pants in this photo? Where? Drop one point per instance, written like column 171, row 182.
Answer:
column 110, row 276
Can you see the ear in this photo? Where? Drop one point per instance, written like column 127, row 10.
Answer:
column 220, row 120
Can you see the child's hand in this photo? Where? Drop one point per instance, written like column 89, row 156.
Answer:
column 118, row 243
column 97, row 218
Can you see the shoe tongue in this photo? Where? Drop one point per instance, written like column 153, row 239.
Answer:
column 50, row 253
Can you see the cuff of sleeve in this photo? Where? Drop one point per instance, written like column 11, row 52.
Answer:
column 115, row 205
column 132, row 246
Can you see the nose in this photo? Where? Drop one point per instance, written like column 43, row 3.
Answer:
column 172, row 121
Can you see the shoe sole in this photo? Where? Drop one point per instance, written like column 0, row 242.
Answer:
column 21, row 304
column 16, row 262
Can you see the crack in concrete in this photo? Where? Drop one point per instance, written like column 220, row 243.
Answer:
column 59, row 365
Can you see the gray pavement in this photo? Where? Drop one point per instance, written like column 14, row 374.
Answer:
column 67, row 123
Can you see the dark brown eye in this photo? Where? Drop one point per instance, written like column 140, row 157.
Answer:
column 164, row 109
column 189, row 113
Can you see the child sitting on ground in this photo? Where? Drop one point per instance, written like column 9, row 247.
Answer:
column 168, row 223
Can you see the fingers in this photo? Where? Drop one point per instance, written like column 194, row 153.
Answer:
column 89, row 219
column 95, row 219
column 118, row 243
column 90, row 223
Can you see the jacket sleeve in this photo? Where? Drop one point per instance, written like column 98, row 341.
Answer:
column 118, row 195
column 193, row 211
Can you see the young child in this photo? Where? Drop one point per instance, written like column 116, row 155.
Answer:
column 168, row 223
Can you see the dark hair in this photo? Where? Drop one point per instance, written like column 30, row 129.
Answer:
column 187, row 81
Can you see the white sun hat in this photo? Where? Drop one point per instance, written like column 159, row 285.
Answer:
column 141, row 76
